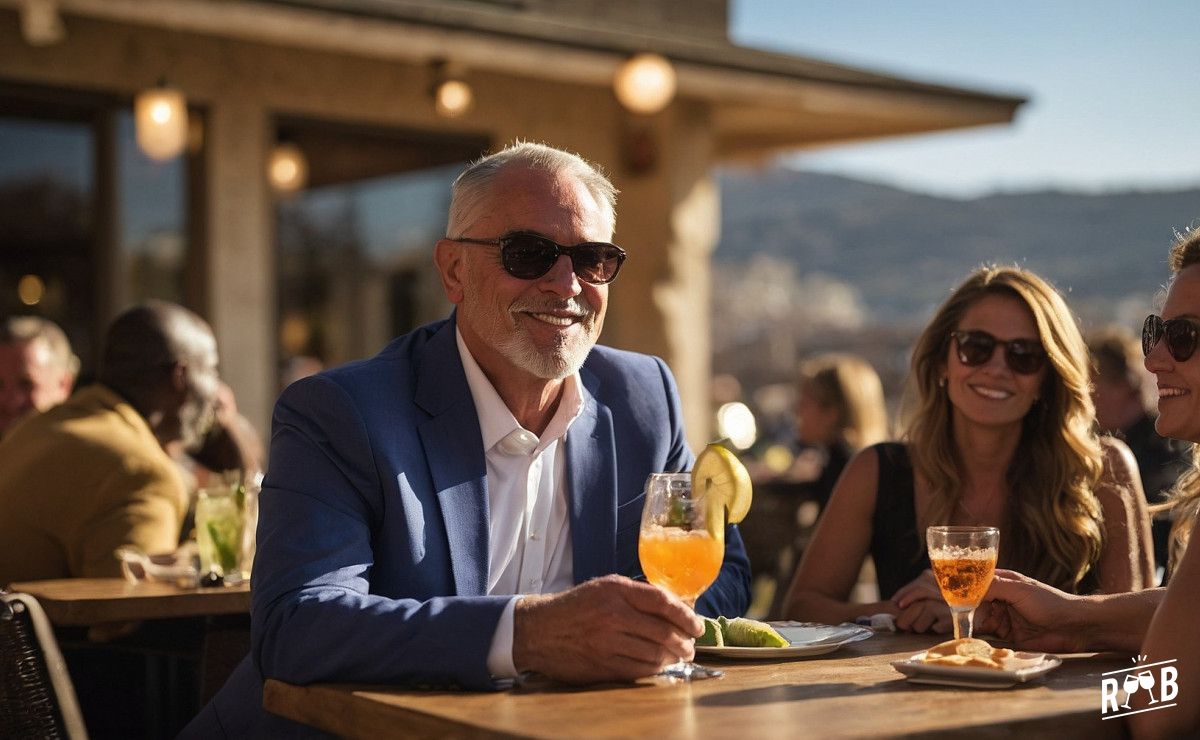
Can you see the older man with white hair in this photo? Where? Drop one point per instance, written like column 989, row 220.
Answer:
column 464, row 507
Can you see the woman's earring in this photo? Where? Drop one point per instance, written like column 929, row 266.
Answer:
column 942, row 382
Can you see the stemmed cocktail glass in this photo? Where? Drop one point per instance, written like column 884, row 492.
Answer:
column 964, row 560
column 681, row 546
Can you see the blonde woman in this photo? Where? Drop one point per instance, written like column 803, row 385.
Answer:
column 1002, row 434
column 839, row 411
column 1159, row 623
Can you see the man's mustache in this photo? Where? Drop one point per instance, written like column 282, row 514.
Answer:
column 577, row 306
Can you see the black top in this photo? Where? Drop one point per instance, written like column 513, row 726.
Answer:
column 897, row 548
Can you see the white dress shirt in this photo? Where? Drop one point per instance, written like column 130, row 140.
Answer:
column 529, row 533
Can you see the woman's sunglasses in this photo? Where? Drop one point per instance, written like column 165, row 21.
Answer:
column 528, row 256
column 1181, row 335
column 1024, row 356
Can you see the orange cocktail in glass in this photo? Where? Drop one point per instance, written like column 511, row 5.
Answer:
column 681, row 546
column 683, row 562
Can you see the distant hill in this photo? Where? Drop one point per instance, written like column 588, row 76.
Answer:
column 904, row 251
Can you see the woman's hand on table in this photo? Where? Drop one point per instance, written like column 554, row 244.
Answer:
column 920, row 606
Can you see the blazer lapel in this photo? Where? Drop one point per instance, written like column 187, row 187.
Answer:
column 591, row 458
column 454, row 450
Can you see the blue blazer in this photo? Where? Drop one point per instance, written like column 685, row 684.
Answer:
column 373, row 532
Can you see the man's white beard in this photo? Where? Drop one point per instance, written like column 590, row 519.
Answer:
column 565, row 359
column 569, row 352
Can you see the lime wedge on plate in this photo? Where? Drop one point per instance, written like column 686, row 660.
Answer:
column 744, row 632
column 723, row 481
column 712, row 634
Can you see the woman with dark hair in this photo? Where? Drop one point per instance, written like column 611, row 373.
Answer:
column 1002, row 434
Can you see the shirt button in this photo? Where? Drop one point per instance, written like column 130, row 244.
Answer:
column 534, row 584
column 534, row 536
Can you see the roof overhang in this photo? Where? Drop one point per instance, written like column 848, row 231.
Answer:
column 762, row 102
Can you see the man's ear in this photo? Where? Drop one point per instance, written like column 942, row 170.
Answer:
column 178, row 377
column 448, row 256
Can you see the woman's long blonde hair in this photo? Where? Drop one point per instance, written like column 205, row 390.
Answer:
column 1184, row 500
column 1054, row 530
column 849, row 384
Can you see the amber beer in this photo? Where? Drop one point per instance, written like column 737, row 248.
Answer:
column 964, row 561
column 964, row 580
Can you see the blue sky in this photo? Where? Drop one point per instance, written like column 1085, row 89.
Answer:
column 1114, row 87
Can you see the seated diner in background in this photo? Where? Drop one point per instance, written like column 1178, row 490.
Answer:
column 839, row 410
column 91, row 475
column 464, row 507
column 1001, row 434
column 1159, row 623
column 37, row 368
column 1125, row 409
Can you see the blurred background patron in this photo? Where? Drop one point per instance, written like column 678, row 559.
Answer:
column 1123, row 393
column 839, row 411
column 92, row 474
column 37, row 368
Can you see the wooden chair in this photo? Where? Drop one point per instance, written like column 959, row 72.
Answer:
column 37, row 698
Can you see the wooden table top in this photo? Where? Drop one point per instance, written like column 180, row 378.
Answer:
column 90, row 601
column 853, row 692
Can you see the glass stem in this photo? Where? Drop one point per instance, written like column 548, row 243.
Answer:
column 963, row 622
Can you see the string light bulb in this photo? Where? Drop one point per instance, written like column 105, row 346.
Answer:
column 645, row 83
column 161, row 122
column 287, row 168
column 452, row 98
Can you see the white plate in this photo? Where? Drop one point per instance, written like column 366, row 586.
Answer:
column 806, row 638
column 973, row 677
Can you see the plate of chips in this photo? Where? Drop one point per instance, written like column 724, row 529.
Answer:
column 973, row 663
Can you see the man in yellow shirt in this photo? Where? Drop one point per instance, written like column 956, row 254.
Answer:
column 91, row 475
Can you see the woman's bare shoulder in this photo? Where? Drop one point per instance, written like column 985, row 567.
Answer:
column 1120, row 466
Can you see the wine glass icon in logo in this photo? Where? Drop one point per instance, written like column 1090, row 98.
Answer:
column 1146, row 679
column 1130, row 685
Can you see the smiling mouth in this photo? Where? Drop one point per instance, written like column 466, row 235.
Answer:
column 554, row 320
column 1171, row 392
column 993, row 394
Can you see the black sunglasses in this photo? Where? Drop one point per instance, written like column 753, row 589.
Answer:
column 1182, row 336
column 528, row 256
column 1024, row 356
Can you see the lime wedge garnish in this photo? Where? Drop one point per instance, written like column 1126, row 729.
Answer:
column 722, row 479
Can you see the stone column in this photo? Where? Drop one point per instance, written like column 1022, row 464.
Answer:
column 668, row 220
column 241, row 269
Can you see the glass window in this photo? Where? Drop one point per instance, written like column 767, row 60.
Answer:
column 152, row 229
column 74, row 249
column 47, row 224
column 355, row 246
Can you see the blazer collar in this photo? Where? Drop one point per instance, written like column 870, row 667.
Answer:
column 591, row 458
column 454, row 451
